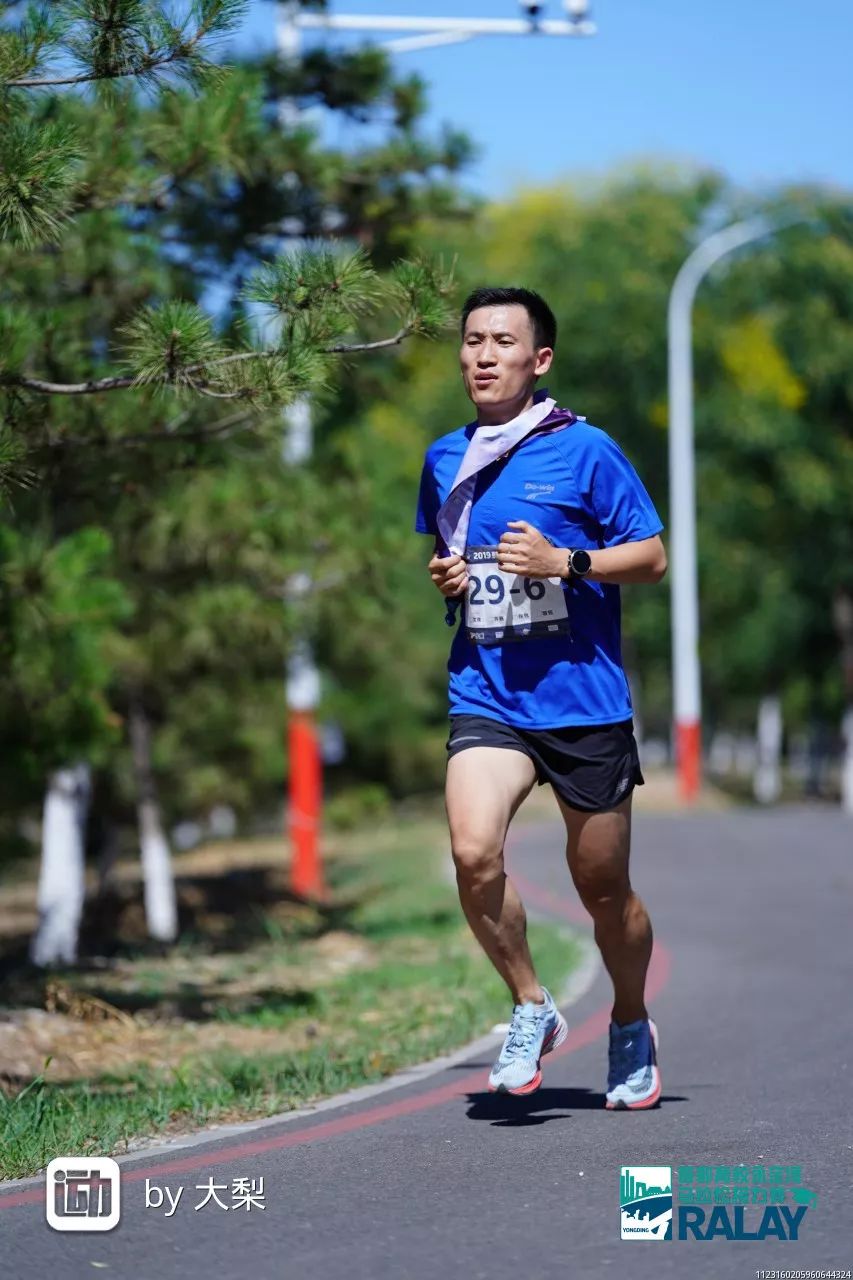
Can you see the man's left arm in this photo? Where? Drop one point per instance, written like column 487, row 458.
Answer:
column 642, row 561
column 526, row 551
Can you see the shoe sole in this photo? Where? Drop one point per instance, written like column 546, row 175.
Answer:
column 552, row 1041
column 654, row 1097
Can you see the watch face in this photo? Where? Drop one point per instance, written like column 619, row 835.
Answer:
column 581, row 562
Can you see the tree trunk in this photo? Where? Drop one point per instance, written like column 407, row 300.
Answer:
column 161, row 913
column 61, row 888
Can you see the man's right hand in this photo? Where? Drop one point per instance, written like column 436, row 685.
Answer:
column 449, row 573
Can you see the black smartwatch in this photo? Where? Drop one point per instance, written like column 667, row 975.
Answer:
column 580, row 564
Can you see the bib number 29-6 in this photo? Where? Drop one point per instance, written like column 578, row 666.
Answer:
column 501, row 608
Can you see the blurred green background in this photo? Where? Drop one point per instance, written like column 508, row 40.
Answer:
column 147, row 540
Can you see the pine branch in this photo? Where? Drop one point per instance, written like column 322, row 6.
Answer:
column 204, row 389
column 66, row 388
column 347, row 348
column 182, row 138
column 14, row 470
column 120, row 38
column 314, row 296
column 37, row 170
column 41, row 159
column 96, row 385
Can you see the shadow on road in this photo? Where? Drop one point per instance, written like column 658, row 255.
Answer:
column 506, row 1111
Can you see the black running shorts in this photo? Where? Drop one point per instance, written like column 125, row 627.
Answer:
column 591, row 767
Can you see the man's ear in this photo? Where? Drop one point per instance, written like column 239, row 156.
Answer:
column 544, row 358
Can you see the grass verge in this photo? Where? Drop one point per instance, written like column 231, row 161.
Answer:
column 311, row 1002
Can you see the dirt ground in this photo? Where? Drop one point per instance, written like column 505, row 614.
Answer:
column 238, row 920
column 246, row 940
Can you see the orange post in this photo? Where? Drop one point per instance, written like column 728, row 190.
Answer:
column 306, row 795
column 688, row 757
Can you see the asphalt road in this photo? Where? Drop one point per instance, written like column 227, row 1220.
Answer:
column 751, row 987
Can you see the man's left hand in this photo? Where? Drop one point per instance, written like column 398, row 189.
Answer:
column 526, row 553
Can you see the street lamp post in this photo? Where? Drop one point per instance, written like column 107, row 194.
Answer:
column 687, row 712
column 426, row 32
column 302, row 682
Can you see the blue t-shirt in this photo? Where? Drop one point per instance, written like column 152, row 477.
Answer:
column 577, row 488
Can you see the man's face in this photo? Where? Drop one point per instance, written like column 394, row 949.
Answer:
column 500, row 360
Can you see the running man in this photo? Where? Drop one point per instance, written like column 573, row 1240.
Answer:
column 537, row 518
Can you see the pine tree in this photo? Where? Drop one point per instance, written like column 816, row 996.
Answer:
column 110, row 162
column 200, row 525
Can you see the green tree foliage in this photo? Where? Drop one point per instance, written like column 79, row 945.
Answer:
column 153, row 534
column 60, row 602
column 115, row 171
column 73, row 43
column 776, row 469
column 167, row 267
column 773, row 435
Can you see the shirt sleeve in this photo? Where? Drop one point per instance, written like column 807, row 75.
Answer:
column 616, row 496
column 428, row 503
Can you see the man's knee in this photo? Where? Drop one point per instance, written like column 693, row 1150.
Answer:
column 478, row 860
column 603, row 893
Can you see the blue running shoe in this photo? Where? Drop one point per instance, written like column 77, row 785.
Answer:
column 633, row 1082
column 535, row 1030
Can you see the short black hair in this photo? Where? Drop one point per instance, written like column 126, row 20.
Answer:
column 541, row 316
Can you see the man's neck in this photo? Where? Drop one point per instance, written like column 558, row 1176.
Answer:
column 498, row 415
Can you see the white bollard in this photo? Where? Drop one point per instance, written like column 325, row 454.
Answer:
column 847, row 762
column 767, row 779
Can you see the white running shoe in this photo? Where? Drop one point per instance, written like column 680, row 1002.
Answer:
column 535, row 1030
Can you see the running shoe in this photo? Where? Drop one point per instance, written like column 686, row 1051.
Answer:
column 633, row 1081
column 535, row 1030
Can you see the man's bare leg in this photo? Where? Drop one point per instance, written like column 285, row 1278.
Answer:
column 485, row 786
column 597, row 852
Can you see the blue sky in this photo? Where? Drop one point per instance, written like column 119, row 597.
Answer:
column 761, row 89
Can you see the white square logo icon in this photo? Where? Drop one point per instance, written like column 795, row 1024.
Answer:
column 82, row 1193
column 645, row 1199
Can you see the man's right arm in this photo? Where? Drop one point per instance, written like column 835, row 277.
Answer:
column 449, row 573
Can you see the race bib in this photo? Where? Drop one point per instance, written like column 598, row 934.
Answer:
column 501, row 608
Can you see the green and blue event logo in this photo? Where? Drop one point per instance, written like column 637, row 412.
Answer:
column 713, row 1202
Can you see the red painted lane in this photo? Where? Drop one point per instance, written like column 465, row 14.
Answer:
column 590, row 1030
